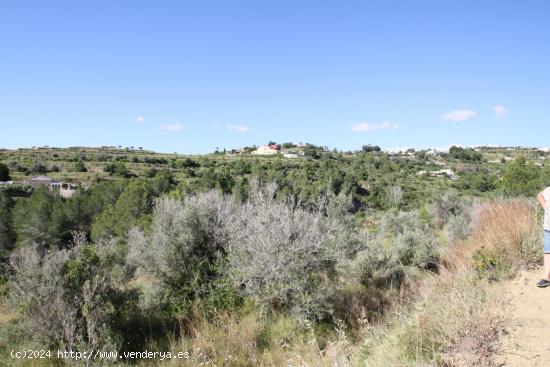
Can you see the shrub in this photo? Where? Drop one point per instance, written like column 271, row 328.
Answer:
column 392, row 224
column 79, row 167
column 39, row 167
column 458, row 227
column 70, row 299
column 283, row 256
column 184, row 253
column 116, row 169
column 448, row 205
column 417, row 249
column 378, row 268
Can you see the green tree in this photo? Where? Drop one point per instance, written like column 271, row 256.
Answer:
column 4, row 172
column 116, row 169
column 39, row 167
column 465, row 154
column 6, row 231
column 80, row 167
column 133, row 204
column 520, row 178
column 545, row 176
column 31, row 219
column 370, row 148
column 162, row 182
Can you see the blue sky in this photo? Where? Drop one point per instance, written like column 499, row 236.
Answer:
column 190, row 76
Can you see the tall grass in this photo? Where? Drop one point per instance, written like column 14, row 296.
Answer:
column 454, row 320
column 506, row 237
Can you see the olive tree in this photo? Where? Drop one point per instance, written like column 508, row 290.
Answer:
column 283, row 256
column 72, row 298
column 184, row 251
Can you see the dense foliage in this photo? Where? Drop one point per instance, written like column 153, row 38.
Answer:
column 319, row 239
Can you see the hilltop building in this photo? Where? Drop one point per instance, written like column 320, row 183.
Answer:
column 266, row 150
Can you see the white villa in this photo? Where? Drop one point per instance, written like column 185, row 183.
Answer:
column 265, row 150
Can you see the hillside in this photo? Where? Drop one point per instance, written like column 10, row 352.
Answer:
column 330, row 258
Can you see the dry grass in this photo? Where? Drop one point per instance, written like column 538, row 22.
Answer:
column 455, row 317
column 506, row 230
column 251, row 340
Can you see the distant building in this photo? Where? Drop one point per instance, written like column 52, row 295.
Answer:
column 266, row 150
column 235, row 151
column 292, row 154
column 434, row 152
column 65, row 189
column 444, row 172
column 38, row 181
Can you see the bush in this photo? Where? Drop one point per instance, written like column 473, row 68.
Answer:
column 79, row 167
column 116, row 169
column 392, row 224
column 283, row 256
column 71, row 299
column 183, row 256
column 379, row 269
column 446, row 206
column 403, row 245
column 39, row 168
column 195, row 245
column 458, row 227
column 417, row 249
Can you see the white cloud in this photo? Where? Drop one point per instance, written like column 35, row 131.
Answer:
column 176, row 126
column 459, row 115
column 500, row 111
column 365, row 126
column 238, row 128
column 140, row 119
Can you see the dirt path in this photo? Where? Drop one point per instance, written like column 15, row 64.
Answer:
column 526, row 341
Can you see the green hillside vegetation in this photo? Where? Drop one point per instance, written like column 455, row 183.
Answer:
column 331, row 258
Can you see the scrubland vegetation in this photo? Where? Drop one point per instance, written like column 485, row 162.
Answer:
column 333, row 260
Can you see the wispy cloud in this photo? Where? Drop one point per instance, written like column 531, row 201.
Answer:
column 140, row 119
column 365, row 126
column 176, row 126
column 238, row 128
column 500, row 111
column 459, row 115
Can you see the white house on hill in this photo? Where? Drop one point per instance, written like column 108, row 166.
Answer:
column 265, row 150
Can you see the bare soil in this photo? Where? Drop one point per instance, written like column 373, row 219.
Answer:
column 526, row 337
